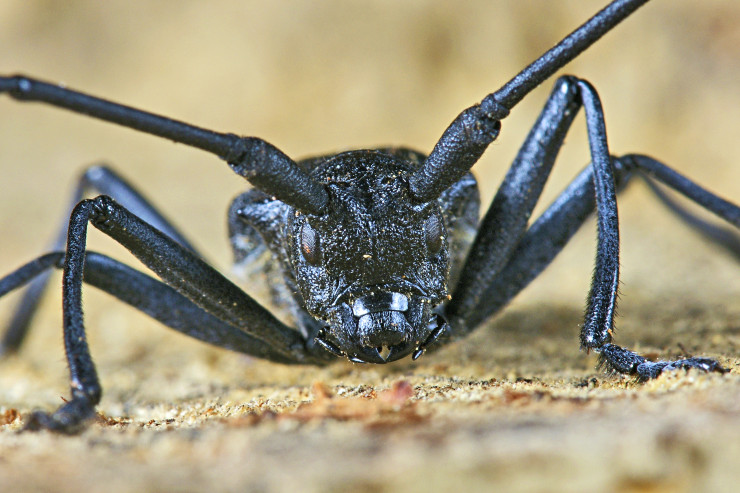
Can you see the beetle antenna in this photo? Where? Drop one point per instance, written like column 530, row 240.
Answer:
column 465, row 140
column 262, row 164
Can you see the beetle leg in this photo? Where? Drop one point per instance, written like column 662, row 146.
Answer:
column 98, row 179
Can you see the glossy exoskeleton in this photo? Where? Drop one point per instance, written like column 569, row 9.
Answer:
column 363, row 279
column 377, row 254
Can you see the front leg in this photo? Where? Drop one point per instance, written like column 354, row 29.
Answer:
column 506, row 220
column 621, row 360
column 596, row 186
column 181, row 269
column 552, row 231
column 98, row 179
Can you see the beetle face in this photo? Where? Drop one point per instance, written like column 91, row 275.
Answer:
column 375, row 265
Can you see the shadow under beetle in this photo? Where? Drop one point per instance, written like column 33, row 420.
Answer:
column 379, row 254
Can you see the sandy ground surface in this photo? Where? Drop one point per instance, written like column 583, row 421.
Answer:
column 516, row 407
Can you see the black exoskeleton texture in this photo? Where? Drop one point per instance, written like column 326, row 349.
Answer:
column 370, row 270
column 374, row 254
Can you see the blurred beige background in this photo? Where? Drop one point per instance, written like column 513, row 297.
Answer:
column 318, row 77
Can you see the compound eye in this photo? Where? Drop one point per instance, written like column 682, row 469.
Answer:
column 310, row 246
column 433, row 234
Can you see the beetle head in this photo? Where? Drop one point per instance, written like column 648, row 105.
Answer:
column 373, row 267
